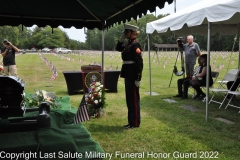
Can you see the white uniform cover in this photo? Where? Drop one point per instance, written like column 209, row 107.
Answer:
column 225, row 15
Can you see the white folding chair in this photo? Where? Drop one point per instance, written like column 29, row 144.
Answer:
column 223, row 83
column 230, row 76
column 232, row 94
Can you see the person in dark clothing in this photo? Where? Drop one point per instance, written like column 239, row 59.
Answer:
column 200, row 79
column 8, row 53
column 183, row 83
column 131, row 72
column 233, row 87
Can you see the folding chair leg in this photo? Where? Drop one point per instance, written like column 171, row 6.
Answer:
column 229, row 102
column 223, row 101
column 211, row 98
column 204, row 99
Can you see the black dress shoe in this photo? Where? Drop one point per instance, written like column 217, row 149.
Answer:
column 126, row 125
column 178, row 95
column 184, row 97
column 130, row 127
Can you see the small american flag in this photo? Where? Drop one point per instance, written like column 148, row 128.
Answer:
column 82, row 112
column 54, row 74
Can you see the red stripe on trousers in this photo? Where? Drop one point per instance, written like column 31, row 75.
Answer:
column 136, row 107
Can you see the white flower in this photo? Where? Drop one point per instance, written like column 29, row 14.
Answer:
column 44, row 94
column 98, row 83
column 37, row 93
column 92, row 97
column 100, row 100
column 100, row 94
column 101, row 86
column 98, row 88
column 96, row 101
column 93, row 86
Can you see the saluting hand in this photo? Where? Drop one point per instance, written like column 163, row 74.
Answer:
column 121, row 39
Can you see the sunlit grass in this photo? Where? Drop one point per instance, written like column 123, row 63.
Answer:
column 165, row 127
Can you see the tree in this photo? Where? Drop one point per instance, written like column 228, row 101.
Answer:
column 45, row 38
column 66, row 40
column 24, row 36
column 10, row 33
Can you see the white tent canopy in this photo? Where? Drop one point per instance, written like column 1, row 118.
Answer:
column 223, row 15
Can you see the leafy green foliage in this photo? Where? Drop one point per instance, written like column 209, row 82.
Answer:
column 34, row 100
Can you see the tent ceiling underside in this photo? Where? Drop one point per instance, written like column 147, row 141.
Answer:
column 77, row 13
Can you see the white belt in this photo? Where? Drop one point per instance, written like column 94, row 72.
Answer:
column 128, row 62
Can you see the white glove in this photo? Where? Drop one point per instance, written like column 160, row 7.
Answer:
column 137, row 83
column 121, row 39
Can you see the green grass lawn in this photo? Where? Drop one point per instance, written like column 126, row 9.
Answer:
column 166, row 128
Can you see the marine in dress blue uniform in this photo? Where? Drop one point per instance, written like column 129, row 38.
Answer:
column 131, row 72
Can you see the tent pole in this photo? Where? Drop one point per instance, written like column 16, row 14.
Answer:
column 239, row 54
column 174, row 6
column 102, row 69
column 208, row 65
column 149, row 66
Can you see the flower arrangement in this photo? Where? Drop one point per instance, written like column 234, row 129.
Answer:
column 95, row 99
column 33, row 100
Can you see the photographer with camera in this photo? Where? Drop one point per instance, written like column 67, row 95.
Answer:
column 192, row 51
column 8, row 53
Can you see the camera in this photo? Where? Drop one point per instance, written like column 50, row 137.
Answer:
column 5, row 41
column 180, row 42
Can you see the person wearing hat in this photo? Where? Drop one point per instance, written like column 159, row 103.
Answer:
column 131, row 72
column 8, row 53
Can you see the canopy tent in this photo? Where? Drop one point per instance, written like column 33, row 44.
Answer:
column 91, row 14
column 223, row 14
column 214, row 15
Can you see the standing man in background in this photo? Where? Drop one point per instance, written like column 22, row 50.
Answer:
column 131, row 72
column 8, row 53
column 192, row 51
